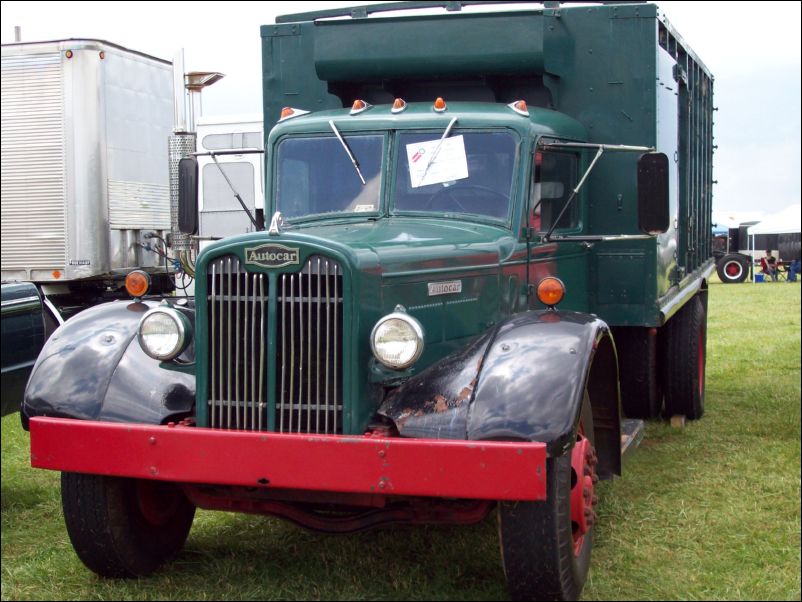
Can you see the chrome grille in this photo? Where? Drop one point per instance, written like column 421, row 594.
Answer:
column 237, row 346
column 309, row 349
column 307, row 340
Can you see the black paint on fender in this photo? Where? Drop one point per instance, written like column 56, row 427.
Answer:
column 93, row 368
column 522, row 380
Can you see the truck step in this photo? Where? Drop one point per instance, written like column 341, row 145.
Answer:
column 631, row 435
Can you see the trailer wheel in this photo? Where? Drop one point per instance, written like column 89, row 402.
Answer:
column 732, row 268
column 124, row 527
column 546, row 546
column 684, row 360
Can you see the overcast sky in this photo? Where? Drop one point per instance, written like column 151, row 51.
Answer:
column 753, row 53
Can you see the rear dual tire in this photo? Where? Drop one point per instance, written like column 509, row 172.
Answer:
column 685, row 358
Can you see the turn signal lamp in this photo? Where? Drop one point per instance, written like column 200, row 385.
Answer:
column 519, row 106
column 359, row 106
column 440, row 104
column 289, row 113
column 137, row 283
column 399, row 105
column 550, row 291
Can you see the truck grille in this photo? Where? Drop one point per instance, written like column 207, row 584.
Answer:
column 307, row 339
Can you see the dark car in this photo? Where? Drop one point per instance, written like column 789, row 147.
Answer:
column 27, row 322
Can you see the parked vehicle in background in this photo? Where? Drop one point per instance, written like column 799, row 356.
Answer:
column 735, row 250
column 85, row 191
column 478, row 235
column 230, row 158
column 27, row 322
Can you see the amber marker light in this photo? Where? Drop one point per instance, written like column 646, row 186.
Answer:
column 550, row 291
column 519, row 106
column 440, row 104
column 137, row 283
column 289, row 112
column 68, row 54
column 399, row 104
column 359, row 106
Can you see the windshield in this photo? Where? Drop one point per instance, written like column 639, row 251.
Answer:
column 316, row 175
column 471, row 173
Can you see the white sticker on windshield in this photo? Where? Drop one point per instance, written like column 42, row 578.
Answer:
column 449, row 162
column 364, row 208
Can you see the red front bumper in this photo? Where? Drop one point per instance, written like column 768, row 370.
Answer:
column 346, row 464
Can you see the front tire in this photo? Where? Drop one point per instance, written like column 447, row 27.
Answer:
column 124, row 527
column 546, row 546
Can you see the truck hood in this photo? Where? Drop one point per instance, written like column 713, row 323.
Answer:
column 403, row 245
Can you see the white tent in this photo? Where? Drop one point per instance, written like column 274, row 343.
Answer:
column 787, row 221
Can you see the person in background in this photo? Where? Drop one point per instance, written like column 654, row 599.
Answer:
column 770, row 266
column 793, row 270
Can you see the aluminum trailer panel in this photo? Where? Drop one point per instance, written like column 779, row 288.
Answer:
column 84, row 159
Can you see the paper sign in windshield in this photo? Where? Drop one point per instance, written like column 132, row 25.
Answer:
column 449, row 164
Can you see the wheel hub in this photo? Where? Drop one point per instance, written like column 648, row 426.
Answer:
column 583, row 496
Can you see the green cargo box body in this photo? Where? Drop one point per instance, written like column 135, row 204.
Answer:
column 620, row 70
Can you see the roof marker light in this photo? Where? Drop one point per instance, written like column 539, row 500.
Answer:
column 519, row 106
column 399, row 105
column 289, row 113
column 359, row 106
column 440, row 105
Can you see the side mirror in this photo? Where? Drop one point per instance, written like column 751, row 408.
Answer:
column 188, row 195
column 653, row 204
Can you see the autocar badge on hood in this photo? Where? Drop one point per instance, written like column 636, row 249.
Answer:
column 272, row 256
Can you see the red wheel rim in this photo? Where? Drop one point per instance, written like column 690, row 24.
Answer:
column 583, row 497
column 733, row 269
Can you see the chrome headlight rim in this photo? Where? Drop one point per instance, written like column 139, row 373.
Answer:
column 416, row 328
column 183, row 330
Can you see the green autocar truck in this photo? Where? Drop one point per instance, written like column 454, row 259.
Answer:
column 488, row 243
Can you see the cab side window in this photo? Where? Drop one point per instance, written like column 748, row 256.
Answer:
column 555, row 177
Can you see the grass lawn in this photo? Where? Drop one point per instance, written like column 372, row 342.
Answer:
column 711, row 511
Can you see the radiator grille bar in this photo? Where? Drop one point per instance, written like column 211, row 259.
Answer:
column 309, row 396
column 237, row 346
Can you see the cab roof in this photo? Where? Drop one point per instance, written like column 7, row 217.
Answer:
column 540, row 122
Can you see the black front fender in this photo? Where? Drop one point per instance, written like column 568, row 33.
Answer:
column 523, row 380
column 93, row 368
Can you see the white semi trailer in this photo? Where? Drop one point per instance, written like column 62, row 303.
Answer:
column 85, row 186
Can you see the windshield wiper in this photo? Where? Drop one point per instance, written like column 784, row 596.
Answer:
column 437, row 148
column 347, row 148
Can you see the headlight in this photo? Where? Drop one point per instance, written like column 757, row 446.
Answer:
column 397, row 340
column 164, row 333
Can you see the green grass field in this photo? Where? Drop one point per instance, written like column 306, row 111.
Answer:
column 708, row 512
